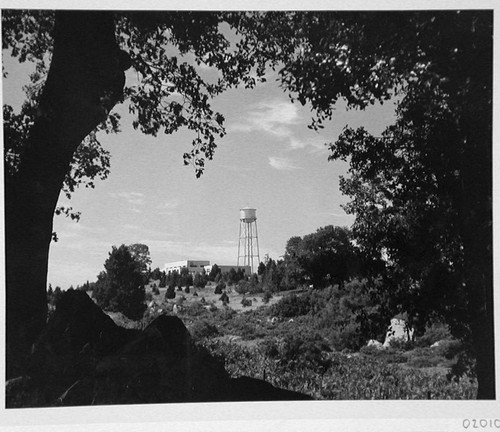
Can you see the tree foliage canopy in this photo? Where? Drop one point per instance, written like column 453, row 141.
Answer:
column 120, row 287
column 407, row 186
column 325, row 257
column 140, row 252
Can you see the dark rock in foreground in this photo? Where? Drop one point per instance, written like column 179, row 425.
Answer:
column 84, row 358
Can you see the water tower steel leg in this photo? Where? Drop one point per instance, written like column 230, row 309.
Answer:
column 250, row 246
column 245, row 258
column 257, row 241
column 239, row 244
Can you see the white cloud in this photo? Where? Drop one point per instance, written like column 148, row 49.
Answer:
column 316, row 143
column 270, row 117
column 167, row 207
column 133, row 198
column 67, row 229
column 131, row 227
column 279, row 119
column 282, row 164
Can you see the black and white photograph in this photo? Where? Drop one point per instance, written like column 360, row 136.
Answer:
column 281, row 218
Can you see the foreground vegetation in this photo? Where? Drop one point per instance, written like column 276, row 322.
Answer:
column 337, row 376
column 309, row 339
column 294, row 348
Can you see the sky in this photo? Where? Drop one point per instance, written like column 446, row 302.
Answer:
column 268, row 160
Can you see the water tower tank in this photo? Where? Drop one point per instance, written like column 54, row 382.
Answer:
column 247, row 214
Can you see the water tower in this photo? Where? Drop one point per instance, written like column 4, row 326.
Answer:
column 248, row 246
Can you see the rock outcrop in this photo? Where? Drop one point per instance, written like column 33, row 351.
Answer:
column 399, row 331
column 84, row 358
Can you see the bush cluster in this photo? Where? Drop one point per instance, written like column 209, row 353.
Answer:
column 347, row 317
column 201, row 329
column 246, row 302
column 291, row 306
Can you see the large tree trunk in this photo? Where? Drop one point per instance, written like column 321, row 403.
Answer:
column 85, row 81
column 476, row 208
column 477, row 234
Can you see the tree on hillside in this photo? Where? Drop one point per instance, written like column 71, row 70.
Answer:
column 294, row 273
column 214, row 272
column 200, row 279
column 120, row 287
column 232, row 276
column 163, row 280
column 272, row 277
column 261, row 268
column 140, row 252
column 328, row 256
column 156, row 274
column 173, row 278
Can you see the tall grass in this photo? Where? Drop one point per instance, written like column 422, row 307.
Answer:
column 342, row 377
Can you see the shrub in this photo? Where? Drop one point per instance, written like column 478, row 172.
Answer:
column 242, row 287
column 302, row 349
column 224, row 314
column 449, row 348
column 148, row 297
column 291, row 306
column 224, row 298
column 246, row 302
column 371, row 350
column 401, row 344
column 186, row 290
column 219, row 288
column 170, row 293
column 266, row 297
column 203, row 329
column 242, row 326
column 155, row 290
column 195, row 309
column 270, row 348
column 433, row 333
column 346, row 337
column 464, row 365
